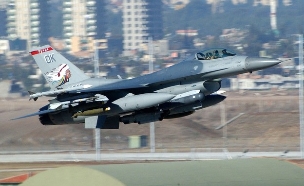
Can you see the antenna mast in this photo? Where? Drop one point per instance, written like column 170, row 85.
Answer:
column 96, row 74
column 273, row 14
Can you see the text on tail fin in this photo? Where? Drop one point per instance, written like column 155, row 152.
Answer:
column 34, row 52
column 57, row 70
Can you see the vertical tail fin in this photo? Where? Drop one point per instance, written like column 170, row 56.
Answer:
column 57, row 70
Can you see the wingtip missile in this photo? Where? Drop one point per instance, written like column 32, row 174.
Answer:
column 34, row 98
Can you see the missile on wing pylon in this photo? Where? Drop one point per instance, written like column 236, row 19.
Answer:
column 128, row 104
column 137, row 102
column 52, row 93
column 55, row 104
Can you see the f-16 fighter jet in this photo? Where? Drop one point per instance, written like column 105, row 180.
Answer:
column 172, row 92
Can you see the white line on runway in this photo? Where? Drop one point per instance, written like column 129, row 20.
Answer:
column 141, row 156
column 74, row 156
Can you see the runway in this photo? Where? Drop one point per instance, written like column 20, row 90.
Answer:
column 76, row 157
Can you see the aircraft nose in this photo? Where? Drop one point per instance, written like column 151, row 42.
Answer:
column 260, row 63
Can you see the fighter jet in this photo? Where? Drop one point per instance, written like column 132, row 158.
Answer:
column 173, row 92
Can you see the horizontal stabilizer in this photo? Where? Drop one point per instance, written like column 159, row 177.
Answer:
column 36, row 114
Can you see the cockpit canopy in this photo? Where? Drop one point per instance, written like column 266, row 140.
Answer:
column 213, row 54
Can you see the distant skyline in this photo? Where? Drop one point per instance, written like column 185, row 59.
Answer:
column 194, row 15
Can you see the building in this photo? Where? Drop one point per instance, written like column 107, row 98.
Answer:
column 28, row 20
column 85, row 47
column 3, row 18
column 272, row 82
column 115, row 45
column 3, row 3
column 83, row 20
column 4, row 46
column 2, row 22
column 177, row 4
column 141, row 19
column 188, row 33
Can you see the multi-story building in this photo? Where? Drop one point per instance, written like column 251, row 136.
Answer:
column 83, row 21
column 28, row 20
column 3, row 5
column 3, row 20
column 141, row 19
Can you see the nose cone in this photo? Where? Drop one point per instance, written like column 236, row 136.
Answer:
column 259, row 63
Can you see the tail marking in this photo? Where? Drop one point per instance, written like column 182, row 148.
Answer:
column 58, row 71
column 41, row 51
column 59, row 76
